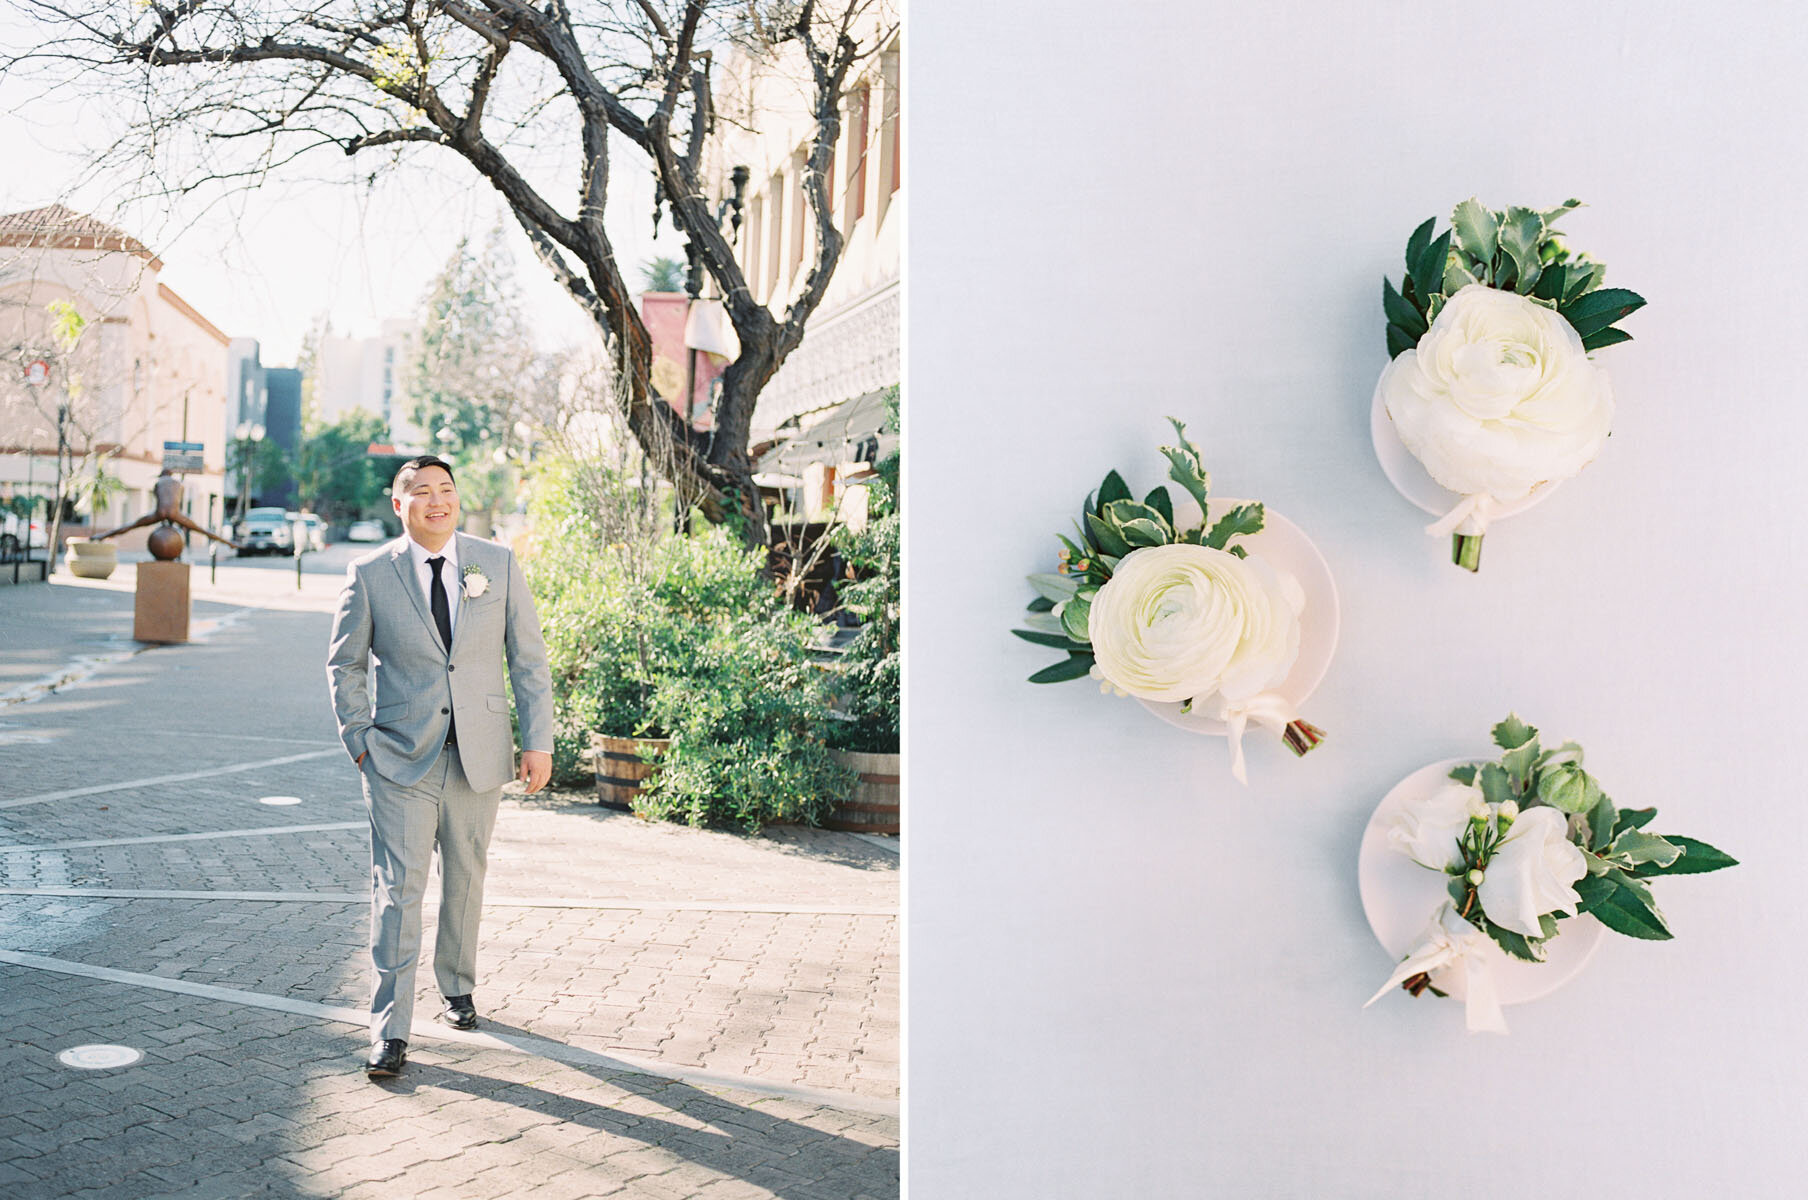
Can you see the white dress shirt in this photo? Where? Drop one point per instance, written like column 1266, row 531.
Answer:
column 448, row 575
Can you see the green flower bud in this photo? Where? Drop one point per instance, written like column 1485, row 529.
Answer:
column 1568, row 788
column 1508, row 813
column 1475, row 878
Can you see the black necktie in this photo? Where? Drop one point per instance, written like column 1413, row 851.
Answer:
column 442, row 611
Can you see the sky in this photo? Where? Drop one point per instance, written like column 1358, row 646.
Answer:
column 317, row 238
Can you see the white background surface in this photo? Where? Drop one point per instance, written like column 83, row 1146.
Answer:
column 1130, row 977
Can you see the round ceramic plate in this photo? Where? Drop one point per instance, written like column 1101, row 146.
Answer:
column 1399, row 897
column 1282, row 543
column 1412, row 481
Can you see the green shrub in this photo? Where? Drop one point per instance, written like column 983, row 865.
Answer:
column 680, row 637
column 869, row 671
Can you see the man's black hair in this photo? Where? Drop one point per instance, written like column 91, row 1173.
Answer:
column 404, row 478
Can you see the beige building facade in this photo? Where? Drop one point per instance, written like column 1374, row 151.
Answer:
column 146, row 367
column 852, row 344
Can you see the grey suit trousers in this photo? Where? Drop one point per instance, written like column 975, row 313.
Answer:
column 406, row 824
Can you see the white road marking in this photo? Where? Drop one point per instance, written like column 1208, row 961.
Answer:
column 184, row 837
column 521, row 1044
column 157, row 780
column 624, row 904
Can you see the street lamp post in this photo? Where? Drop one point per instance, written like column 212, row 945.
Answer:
column 248, row 433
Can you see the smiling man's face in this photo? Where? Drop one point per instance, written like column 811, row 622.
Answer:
column 428, row 507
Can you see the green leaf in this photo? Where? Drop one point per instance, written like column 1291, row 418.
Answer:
column 1518, row 764
column 1550, row 215
column 1161, row 503
column 1623, row 904
column 1495, row 788
column 1400, row 312
column 1463, row 774
column 1602, row 338
column 1041, row 604
column 1520, row 232
column 1456, row 277
column 1140, row 532
column 1243, row 519
column 1416, row 244
column 1634, row 818
column 1697, row 858
column 1074, row 616
column 1057, row 640
column 1598, row 310
column 1072, row 668
column 1114, row 488
column 1637, row 846
column 1428, row 272
column 1238, row 551
column 1528, row 949
column 1071, row 548
column 1513, row 733
column 1457, row 888
column 1399, row 341
column 1046, row 622
column 1184, row 465
column 1477, row 230
column 1122, row 512
column 1582, row 276
column 1552, row 282
column 1055, row 587
column 1602, row 822
column 1105, row 537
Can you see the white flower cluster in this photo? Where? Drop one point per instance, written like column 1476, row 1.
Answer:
column 1183, row 622
column 1499, row 396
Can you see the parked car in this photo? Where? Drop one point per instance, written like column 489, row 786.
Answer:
column 266, row 531
column 16, row 533
column 365, row 531
column 314, row 530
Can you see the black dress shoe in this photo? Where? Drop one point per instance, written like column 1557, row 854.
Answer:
column 460, row 1012
column 386, row 1058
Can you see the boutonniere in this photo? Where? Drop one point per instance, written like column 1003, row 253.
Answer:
column 1524, row 846
column 1492, row 387
column 475, row 581
column 1161, row 600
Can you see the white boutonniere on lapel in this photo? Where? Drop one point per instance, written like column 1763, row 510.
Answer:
column 476, row 582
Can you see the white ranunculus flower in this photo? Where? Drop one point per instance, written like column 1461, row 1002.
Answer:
column 1427, row 832
column 1499, row 396
column 1531, row 872
column 1179, row 622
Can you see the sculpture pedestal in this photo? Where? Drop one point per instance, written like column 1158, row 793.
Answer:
column 161, row 611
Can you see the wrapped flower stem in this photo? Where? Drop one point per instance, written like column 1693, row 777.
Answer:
column 1466, row 550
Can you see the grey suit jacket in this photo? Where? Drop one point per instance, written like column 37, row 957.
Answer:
column 419, row 685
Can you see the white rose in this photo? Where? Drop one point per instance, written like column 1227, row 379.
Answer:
column 1531, row 872
column 1179, row 622
column 475, row 583
column 1427, row 832
column 1499, row 396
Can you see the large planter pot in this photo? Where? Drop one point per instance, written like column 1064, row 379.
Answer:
column 91, row 560
column 874, row 805
column 620, row 770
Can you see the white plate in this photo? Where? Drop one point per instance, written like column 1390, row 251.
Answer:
column 1399, row 897
column 1412, row 481
column 1287, row 548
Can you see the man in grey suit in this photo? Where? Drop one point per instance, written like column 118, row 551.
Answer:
column 437, row 748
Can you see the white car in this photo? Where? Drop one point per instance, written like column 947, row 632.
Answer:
column 365, row 531
column 16, row 532
column 311, row 531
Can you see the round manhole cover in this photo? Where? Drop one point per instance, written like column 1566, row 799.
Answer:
column 99, row 1058
column 279, row 800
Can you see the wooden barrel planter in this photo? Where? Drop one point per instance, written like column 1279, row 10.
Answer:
column 620, row 770
column 873, row 807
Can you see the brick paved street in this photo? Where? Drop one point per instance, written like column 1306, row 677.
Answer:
column 667, row 1012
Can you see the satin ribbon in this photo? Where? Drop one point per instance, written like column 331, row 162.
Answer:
column 1469, row 517
column 1270, row 710
column 1451, row 941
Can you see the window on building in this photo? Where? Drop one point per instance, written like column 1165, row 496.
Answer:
column 798, row 163
column 859, row 111
column 750, row 240
column 775, row 188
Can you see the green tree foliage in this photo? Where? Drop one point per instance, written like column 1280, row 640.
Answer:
column 662, row 275
column 334, row 474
